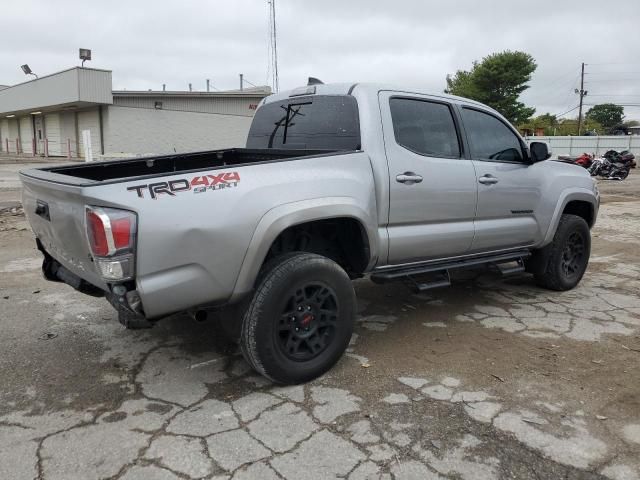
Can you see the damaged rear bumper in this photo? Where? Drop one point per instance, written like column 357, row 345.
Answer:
column 126, row 302
column 54, row 271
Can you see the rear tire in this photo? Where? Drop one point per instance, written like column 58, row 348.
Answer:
column 561, row 264
column 300, row 319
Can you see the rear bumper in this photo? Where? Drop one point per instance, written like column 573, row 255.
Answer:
column 127, row 305
column 54, row 271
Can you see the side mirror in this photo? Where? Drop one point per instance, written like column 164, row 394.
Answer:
column 539, row 151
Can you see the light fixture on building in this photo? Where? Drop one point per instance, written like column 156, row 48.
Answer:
column 27, row 71
column 85, row 54
column 36, row 113
column 10, row 116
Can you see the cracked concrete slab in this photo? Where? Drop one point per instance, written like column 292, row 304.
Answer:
column 323, row 456
column 517, row 382
column 91, row 452
column 333, row 403
column 235, row 448
column 250, row 406
column 256, row 471
column 460, row 461
column 281, row 428
column 150, row 472
column 209, row 417
column 166, row 375
column 184, row 455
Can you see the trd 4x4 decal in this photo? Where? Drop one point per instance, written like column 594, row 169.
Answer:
column 198, row 184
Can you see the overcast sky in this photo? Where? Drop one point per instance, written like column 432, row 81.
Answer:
column 413, row 43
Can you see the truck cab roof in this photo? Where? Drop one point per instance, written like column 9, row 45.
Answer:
column 350, row 88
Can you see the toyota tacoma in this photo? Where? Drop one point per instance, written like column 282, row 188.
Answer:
column 336, row 182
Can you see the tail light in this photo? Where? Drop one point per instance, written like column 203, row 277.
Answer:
column 112, row 234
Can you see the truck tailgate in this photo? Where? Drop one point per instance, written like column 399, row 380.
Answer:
column 56, row 213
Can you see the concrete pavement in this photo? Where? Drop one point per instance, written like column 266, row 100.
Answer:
column 492, row 378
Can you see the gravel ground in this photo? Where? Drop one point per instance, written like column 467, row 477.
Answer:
column 492, row 378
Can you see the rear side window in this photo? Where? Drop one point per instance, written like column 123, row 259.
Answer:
column 322, row 122
column 424, row 127
column 489, row 138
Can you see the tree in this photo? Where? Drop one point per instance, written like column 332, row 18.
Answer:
column 546, row 121
column 608, row 115
column 569, row 126
column 498, row 80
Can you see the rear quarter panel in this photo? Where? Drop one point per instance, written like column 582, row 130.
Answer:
column 192, row 244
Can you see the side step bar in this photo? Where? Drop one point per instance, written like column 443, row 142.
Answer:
column 438, row 272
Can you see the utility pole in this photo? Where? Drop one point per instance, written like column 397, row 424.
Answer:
column 241, row 82
column 583, row 93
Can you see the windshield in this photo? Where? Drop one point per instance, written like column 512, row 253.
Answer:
column 323, row 122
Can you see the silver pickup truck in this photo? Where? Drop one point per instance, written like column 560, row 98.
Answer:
column 336, row 182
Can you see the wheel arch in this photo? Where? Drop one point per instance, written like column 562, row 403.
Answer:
column 283, row 217
column 580, row 202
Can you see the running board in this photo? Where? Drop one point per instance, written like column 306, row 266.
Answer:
column 511, row 267
column 440, row 270
column 438, row 280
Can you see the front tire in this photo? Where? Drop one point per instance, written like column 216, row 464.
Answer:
column 561, row 264
column 300, row 319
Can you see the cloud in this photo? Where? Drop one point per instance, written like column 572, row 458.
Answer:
column 412, row 43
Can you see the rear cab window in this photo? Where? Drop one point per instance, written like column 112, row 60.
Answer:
column 317, row 122
column 425, row 127
column 490, row 138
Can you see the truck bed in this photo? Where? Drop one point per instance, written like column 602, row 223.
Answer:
column 145, row 167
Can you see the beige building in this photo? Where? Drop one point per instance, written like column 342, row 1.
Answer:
column 51, row 115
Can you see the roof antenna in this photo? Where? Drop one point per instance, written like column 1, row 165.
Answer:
column 314, row 81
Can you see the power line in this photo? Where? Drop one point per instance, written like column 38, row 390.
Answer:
column 554, row 82
column 566, row 100
column 247, row 81
column 609, row 73
column 619, row 104
column 604, row 80
column 568, row 111
column 612, row 95
column 614, row 63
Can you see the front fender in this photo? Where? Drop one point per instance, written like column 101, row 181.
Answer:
column 279, row 218
column 570, row 195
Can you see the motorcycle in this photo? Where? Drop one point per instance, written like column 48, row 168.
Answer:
column 610, row 170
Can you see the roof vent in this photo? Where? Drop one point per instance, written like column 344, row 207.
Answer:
column 314, row 81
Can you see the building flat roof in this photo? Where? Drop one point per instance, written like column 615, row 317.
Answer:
column 249, row 92
column 75, row 86
column 80, row 87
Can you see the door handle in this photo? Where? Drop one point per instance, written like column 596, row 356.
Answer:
column 488, row 180
column 409, row 178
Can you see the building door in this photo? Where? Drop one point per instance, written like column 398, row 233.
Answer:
column 14, row 135
column 53, row 136
column 89, row 120
column 39, row 134
column 26, row 134
column 4, row 135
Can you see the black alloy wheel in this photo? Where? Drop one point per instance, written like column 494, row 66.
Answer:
column 308, row 323
column 573, row 254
